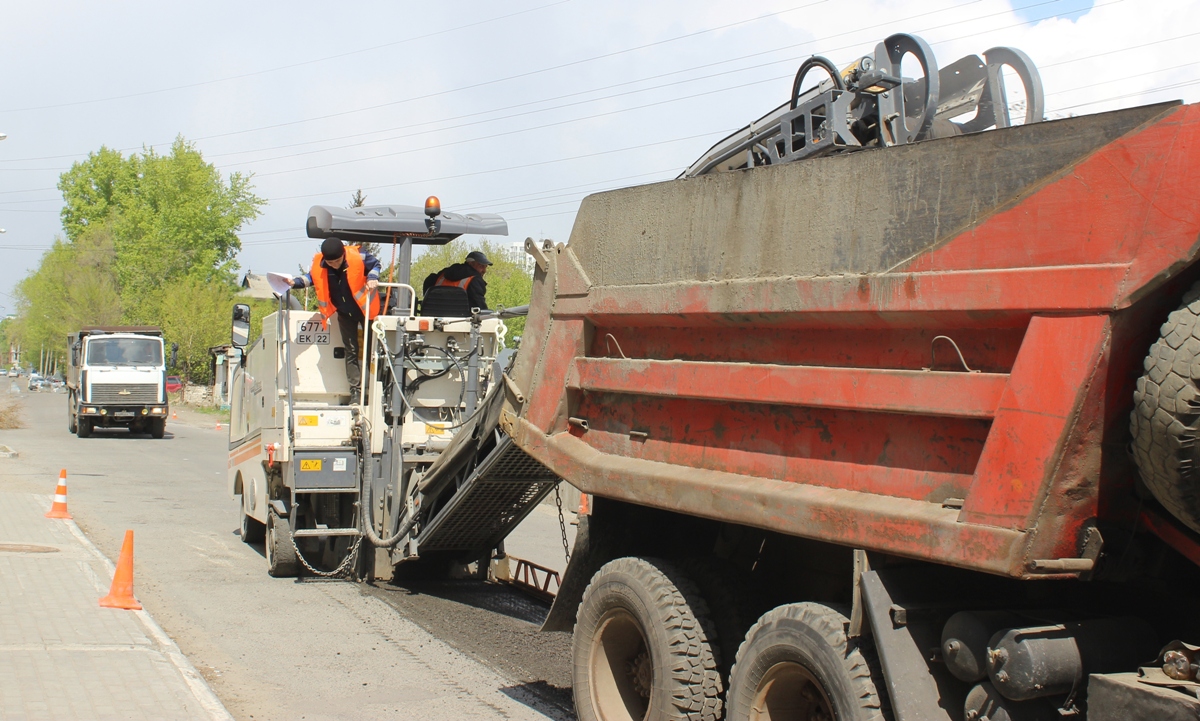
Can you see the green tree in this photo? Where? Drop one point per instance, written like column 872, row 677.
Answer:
column 509, row 281
column 173, row 216
column 196, row 314
column 74, row 285
column 94, row 189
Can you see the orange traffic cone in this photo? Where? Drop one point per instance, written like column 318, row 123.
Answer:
column 59, row 509
column 174, row 416
column 121, row 593
column 218, row 425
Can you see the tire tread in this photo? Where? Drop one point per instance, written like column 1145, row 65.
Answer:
column 1165, row 422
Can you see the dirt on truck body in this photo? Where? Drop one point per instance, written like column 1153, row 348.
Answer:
column 879, row 416
column 867, row 418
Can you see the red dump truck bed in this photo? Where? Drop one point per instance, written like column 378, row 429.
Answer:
column 780, row 348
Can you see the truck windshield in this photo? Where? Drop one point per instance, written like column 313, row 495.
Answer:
column 124, row 351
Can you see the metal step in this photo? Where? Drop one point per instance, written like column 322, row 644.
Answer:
column 318, row 532
column 506, row 486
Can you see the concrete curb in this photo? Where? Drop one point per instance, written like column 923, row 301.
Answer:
column 200, row 689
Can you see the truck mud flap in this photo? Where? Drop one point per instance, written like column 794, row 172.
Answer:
column 503, row 489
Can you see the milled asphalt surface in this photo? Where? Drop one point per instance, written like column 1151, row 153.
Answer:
column 281, row 649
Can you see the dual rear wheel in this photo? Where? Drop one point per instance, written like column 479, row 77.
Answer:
column 645, row 649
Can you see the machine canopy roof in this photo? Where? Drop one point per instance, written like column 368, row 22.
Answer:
column 394, row 223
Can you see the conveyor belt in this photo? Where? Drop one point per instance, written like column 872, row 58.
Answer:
column 505, row 487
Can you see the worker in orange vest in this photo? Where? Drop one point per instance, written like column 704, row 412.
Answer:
column 344, row 278
column 467, row 275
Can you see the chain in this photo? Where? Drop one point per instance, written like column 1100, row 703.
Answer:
column 562, row 525
column 342, row 568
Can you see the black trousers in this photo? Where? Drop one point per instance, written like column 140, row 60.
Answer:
column 349, row 326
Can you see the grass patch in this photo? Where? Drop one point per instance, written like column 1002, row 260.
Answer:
column 12, row 414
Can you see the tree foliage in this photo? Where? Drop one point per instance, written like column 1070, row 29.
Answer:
column 196, row 314
column 74, row 285
column 509, row 280
column 173, row 216
column 151, row 239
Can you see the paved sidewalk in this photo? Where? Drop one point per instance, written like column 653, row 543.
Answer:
column 64, row 657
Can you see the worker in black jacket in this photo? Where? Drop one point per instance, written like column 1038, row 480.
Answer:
column 467, row 275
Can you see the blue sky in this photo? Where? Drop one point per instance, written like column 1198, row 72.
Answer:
column 520, row 108
column 1030, row 10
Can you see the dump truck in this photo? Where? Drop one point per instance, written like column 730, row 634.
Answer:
column 879, row 416
column 116, row 378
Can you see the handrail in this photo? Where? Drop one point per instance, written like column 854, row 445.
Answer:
column 412, row 296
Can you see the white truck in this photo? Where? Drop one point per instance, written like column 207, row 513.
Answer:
column 117, row 379
column 307, row 462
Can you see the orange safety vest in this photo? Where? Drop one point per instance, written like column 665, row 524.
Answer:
column 355, row 275
column 441, row 280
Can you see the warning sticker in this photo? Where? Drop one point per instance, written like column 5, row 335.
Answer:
column 310, row 464
column 306, row 420
column 434, row 430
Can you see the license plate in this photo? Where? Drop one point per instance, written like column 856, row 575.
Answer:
column 310, row 332
column 306, row 420
column 310, row 464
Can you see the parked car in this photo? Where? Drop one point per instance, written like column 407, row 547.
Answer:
column 174, row 385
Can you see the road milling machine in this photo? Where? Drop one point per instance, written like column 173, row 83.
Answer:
column 335, row 487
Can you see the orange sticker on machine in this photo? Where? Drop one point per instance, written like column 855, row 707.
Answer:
column 310, row 464
column 306, row 420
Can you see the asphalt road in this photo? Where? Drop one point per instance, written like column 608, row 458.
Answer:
column 285, row 649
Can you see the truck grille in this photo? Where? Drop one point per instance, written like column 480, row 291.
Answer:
column 124, row 393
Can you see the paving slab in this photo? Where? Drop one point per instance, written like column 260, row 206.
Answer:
column 62, row 656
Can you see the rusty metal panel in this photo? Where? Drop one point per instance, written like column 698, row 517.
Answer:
column 858, row 519
column 748, row 346
column 938, row 393
column 1036, row 411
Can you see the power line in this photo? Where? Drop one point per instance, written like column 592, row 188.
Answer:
column 493, row 136
column 511, row 167
column 599, row 57
column 455, row 29
column 596, row 115
column 432, row 130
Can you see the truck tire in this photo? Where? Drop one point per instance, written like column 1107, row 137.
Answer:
column 643, row 647
column 281, row 554
column 1166, row 408
column 72, row 417
column 83, row 427
column 157, row 427
column 797, row 663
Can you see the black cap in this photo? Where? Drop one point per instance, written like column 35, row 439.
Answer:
column 478, row 257
column 332, row 248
